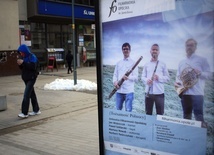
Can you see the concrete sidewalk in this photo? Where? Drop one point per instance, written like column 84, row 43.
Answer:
column 68, row 123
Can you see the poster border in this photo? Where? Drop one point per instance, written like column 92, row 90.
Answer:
column 99, row 76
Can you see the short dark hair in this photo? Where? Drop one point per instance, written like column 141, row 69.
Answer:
column 191, row 39
column 155, row 45
column 126, row 44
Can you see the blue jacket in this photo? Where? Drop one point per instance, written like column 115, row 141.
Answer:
column 29, row 65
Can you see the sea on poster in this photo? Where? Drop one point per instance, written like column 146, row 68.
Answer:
column 168, row 23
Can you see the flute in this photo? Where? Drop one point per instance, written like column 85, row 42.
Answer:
column 153, row 75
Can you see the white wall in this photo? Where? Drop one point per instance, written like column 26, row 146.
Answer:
column 22, row 10
column 9, row 25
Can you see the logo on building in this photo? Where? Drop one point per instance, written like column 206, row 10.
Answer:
column 90, row 13
column 113, row 8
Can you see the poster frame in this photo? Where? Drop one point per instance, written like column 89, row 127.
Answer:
column 99, row 75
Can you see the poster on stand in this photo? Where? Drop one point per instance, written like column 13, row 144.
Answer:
column 157, row 76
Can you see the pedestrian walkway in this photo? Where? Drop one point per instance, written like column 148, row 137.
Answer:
column 68, row 124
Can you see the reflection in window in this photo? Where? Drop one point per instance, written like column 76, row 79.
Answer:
column 37, row 27
column 37, row 35
column 83, row 2
column 38, row 40
column 53, row 28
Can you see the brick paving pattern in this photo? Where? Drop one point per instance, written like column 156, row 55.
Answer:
column 68, row 124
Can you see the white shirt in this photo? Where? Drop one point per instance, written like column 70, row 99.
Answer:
column 163, row 76
column 120, row 70
column 196, row 62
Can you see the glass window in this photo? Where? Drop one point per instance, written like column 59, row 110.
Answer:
column 54, row 36
column 62, row 0
column 87, row 29
column 53, row 28
column 89, row 41
column 37, row 35
column 67, row 28
column 86, row 36
column 38, row 40
column 91, row 3
column 51, row 40
column 54, row 40
column 84, row 2
column 37, row 27
column 65, row 0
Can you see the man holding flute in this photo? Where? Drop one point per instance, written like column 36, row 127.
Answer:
column 154, row 75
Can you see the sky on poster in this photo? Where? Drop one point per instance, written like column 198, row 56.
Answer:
column 143, row 31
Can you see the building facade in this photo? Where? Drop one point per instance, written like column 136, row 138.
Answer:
column 9, row 38
column 46, row 27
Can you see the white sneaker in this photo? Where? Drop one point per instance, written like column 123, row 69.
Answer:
column 22, row 115
column 34, row 113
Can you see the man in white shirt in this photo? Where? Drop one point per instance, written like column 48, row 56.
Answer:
column 192, row 98
column 125, row 92
column 155, row 74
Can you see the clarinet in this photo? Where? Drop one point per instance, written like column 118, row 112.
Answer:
column 153, row 75
column 122, row 80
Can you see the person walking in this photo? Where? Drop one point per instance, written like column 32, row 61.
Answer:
column 69, row 59
column 154, row 75
column 125, row 92
column 27, row 63
column 192, row 97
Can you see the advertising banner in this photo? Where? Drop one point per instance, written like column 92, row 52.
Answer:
column 157, row 76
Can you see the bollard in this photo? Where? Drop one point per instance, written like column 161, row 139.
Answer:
column 3, row 102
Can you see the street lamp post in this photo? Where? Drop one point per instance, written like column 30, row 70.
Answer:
column 73, row 38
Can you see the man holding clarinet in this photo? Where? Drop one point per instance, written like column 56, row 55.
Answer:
column 154, row 75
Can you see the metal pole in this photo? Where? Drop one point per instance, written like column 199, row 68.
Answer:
column 73, row 41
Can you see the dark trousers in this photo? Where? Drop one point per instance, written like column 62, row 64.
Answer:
column 159, row 104
column 29, row 94
column 69, row 67
column 193, row 103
